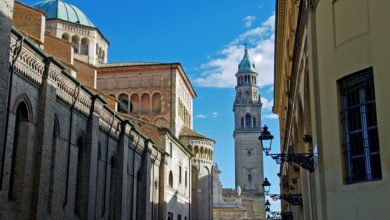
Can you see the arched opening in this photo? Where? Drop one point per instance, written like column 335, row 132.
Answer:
column 112, row 198
column 145, row 103
column 76, row 43
column 156, row 102
column 84, row 46
column 79, row 175
column 135, row 103
column 248, row 119
column 196, row 151
column 170, row 181
column 18, row 158
column 66, row 37
column 123, row 105
column 97, row 49
column 103, row 56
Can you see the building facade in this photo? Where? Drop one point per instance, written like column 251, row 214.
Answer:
column 75, row 147
column 330, row 94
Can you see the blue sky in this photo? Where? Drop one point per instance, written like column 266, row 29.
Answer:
column 207, row 38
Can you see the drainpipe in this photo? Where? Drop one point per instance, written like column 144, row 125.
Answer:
column 17, row 51
column 134, row 175
column 105, row 170
column 171, row 115
column 70, row 145
column 152, row 178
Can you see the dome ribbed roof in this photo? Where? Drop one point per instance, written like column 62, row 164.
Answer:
column 58, row 9
column 246, row 64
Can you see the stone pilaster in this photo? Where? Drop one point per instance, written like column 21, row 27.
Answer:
column 121, row 178
column 90, row 162
column 43, row 153
column 144, row 204
column 6, row 13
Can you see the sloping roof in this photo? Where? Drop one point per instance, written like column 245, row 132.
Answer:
column 187, row 132
column 59, row 9
column 127, row 64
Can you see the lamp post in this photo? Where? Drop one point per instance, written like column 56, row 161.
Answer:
column 293, row 199
column 266, row 186
column 305, row 160
column 266, row 140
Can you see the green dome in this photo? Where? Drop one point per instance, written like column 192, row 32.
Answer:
column 58, row 9
column 246, row 64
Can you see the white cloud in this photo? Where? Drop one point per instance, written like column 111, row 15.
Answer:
column 272, row 116
column 219, row 72
column 267, row 104
column 203, row 116
column 248, row 20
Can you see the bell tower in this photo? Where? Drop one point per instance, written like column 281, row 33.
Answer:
column 247, row 111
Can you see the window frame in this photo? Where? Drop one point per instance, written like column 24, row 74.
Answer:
column 358, row 110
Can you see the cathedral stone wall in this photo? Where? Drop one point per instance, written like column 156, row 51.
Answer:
column 78, row 159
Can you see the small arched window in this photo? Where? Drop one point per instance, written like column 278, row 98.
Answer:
column 123, row 105
column 65, row 36
column 249, row 153
column 248, row 120
column 170, row 181
column 250, row 177
column 84, row 46
column 76, row 43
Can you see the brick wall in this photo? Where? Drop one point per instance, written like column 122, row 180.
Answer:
column 30, row 21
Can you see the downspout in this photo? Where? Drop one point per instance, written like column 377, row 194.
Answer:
column 152, row 177
column 212, row 191
column 105, row 170
column 134, row 175
column 189, row 184
column 70, row 144
column 171, row 115
column 18, row 50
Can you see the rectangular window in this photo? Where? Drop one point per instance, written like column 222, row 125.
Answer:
column 249, row 177
column 242, row 122
column 361, row 144
column 178, row 217
column 185, row 179
column 179, row 174
column 170, row 216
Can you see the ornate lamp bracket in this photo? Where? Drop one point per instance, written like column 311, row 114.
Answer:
column 305, row 160
column 293, row 199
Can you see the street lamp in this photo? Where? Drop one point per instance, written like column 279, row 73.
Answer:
column 305, row 160
column 293, row 199
column 266, row 140
column 267, row 203
column 266, row 185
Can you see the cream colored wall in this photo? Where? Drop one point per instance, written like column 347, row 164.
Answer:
column 351, row 35
column 184, row 96
column 177, row 197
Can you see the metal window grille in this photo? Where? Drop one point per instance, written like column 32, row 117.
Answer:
column 361, row 144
